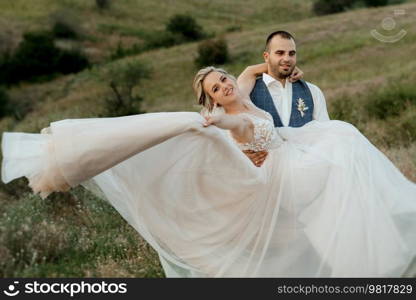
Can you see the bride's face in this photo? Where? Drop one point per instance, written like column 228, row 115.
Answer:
column 221, row 88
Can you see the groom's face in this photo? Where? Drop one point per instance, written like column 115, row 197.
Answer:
column 280, row 57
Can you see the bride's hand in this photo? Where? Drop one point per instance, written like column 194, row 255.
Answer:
column 296, row 75
column 217, row 120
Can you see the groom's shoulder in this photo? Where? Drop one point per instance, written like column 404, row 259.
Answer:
column 312, row 87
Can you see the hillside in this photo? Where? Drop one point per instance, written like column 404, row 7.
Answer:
column 130, row 22
column 358, row 74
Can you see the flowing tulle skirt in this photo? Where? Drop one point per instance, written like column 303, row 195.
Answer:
column 326, row 202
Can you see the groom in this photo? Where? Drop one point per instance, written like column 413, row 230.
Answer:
column 290, row 104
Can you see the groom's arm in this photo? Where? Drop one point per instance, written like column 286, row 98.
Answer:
column 320, row 112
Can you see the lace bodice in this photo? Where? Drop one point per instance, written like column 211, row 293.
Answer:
column 265, row 134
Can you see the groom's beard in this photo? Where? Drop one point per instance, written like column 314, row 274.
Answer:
column 282, row 74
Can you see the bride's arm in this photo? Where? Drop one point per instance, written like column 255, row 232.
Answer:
column 241, row 127
column 247, row 78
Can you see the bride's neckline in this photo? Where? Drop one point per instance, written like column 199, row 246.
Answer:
column 264, row 116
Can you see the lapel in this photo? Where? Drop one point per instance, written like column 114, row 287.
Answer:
column 268, row 104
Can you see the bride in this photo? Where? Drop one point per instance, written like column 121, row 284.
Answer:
column 325, row 203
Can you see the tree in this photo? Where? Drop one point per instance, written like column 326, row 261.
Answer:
column 212, row 52
column 121, row 80
column 103, row 4
column 186, row 26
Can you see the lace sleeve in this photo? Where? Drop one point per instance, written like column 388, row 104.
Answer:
column 264, row 138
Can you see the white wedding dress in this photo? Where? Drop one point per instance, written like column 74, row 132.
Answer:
column 326, row 202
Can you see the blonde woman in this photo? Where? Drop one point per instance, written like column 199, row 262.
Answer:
column 325, row 202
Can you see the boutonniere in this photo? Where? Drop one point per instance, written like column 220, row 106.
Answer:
column 302, row 107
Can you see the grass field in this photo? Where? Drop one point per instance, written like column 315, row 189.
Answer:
column 366, row 82
column 131, row 21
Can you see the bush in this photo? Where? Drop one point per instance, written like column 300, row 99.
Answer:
column 324, row 7
column 155, row 40
column 165, row 39
column 344, row 108
column 103, row 4
column 121, row 80
column 5, row 67
column 400, row 131
column 186, row 26
column 391, row 101
column 71, row 61
column 212, row 52
column 4, row 103
column 370, row 3
column 121, row 51
column 7, row 42
column 37, row 58
column 16, row 106
column 64, row 31
column 66, row 24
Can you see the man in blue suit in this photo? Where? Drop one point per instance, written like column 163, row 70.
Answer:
column 290, row 103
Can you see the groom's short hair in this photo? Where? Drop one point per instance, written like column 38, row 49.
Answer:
column 281, row 33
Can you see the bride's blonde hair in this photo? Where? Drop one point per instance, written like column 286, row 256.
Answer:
column 204, row 98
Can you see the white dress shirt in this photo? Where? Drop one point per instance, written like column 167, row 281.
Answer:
column 282, row 99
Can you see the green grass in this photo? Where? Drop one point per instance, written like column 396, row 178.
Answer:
column 77, row 234
column 131, row 21
column 73, row 234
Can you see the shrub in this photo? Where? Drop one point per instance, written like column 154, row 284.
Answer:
column 7, row 42
column 186, row 26
column 4, row 103
column 66, row 24
column 121, row 80
column 71, row 61
column 344, row 109
column 400, row 131
column 165, row 39
column 407, row 131
column 376, row 2
column 391, row 101
column 64, row 31
column 324, row 7
column 121, row 51
column 16, row 105
column 5, row 67
column 103, row 4
column 37, row 58
column 234, row 28
column 212, row 52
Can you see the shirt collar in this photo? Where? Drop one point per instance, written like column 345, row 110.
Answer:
column 268, row 80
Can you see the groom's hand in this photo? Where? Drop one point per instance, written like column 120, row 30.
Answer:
column 296, row 75
column 257, row 158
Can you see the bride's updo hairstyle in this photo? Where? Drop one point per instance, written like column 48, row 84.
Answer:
column 204, row 98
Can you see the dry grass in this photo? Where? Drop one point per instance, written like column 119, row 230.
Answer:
column 130, row 21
